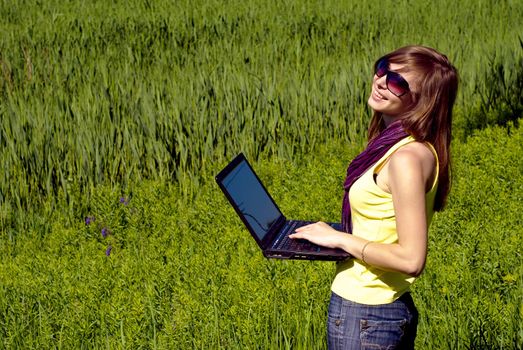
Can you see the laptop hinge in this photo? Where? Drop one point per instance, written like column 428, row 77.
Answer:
column 275, row 228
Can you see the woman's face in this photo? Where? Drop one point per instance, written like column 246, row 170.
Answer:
column 383, row 101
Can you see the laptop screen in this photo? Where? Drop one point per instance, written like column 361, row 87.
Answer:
column 251, row 199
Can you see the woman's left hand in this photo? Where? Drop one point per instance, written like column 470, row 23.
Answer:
column 319, row 233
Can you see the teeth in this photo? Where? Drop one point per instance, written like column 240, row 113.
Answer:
column 378, row 95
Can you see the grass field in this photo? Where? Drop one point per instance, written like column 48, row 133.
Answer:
column 95, row 92
column 115, row 116
column 166, row 285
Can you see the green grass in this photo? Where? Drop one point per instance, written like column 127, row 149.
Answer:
column 147, row 100
column 106, row 92
column 166, row 284
column 472, row 289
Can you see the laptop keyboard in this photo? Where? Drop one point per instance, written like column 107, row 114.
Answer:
column 286, row 243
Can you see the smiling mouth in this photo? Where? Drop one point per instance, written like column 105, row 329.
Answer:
column 377, row 96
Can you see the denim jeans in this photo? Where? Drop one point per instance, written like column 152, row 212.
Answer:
column 352, row 326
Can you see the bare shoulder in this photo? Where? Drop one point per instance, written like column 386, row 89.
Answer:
column 414, row 158
column 414, row 152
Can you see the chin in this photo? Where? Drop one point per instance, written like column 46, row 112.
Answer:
column 384, row 107
column 378, row 106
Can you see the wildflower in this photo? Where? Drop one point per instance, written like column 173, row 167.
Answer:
column 89, row 220
column 124, row 201
column 108, row 250
column 105, row 232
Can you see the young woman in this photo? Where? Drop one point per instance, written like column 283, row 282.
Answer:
column 391, row 191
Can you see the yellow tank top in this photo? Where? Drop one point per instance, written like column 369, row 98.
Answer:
column 373, row 219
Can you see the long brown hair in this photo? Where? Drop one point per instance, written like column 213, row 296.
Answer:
column 430, row 118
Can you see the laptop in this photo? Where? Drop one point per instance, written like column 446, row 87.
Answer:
column 264, row 220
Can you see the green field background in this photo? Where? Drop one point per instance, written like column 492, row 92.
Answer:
column 115, row 117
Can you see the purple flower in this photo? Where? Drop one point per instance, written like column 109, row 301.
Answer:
column 108, row 250
column 89, row 220
column 105, row 232
column 124, row 201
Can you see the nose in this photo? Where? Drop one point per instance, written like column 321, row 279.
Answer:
column 381, row 82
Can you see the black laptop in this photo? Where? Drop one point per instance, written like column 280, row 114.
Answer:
column 264, row 220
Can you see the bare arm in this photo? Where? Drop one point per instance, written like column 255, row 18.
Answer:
column 408, row 172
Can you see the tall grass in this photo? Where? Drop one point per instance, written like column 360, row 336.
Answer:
column 97, row 92
column 144, row 100
column 185, row 274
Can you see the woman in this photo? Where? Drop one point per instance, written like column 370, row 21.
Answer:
column 391, row 191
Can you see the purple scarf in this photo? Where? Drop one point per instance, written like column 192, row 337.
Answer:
column 374, row 151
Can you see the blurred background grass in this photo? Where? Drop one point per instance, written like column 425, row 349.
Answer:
column 96, row 92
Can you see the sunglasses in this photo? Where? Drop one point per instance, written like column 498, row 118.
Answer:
column 395, row 82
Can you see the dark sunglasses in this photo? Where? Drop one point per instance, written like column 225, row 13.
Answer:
column 395, row 82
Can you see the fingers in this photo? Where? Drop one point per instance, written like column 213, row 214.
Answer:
column 304, row 232
column 296, row 235
column 300, row 233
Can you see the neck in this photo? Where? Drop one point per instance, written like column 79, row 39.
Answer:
column 387, row 120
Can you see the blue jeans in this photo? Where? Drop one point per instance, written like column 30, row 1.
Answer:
column 353, row 326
